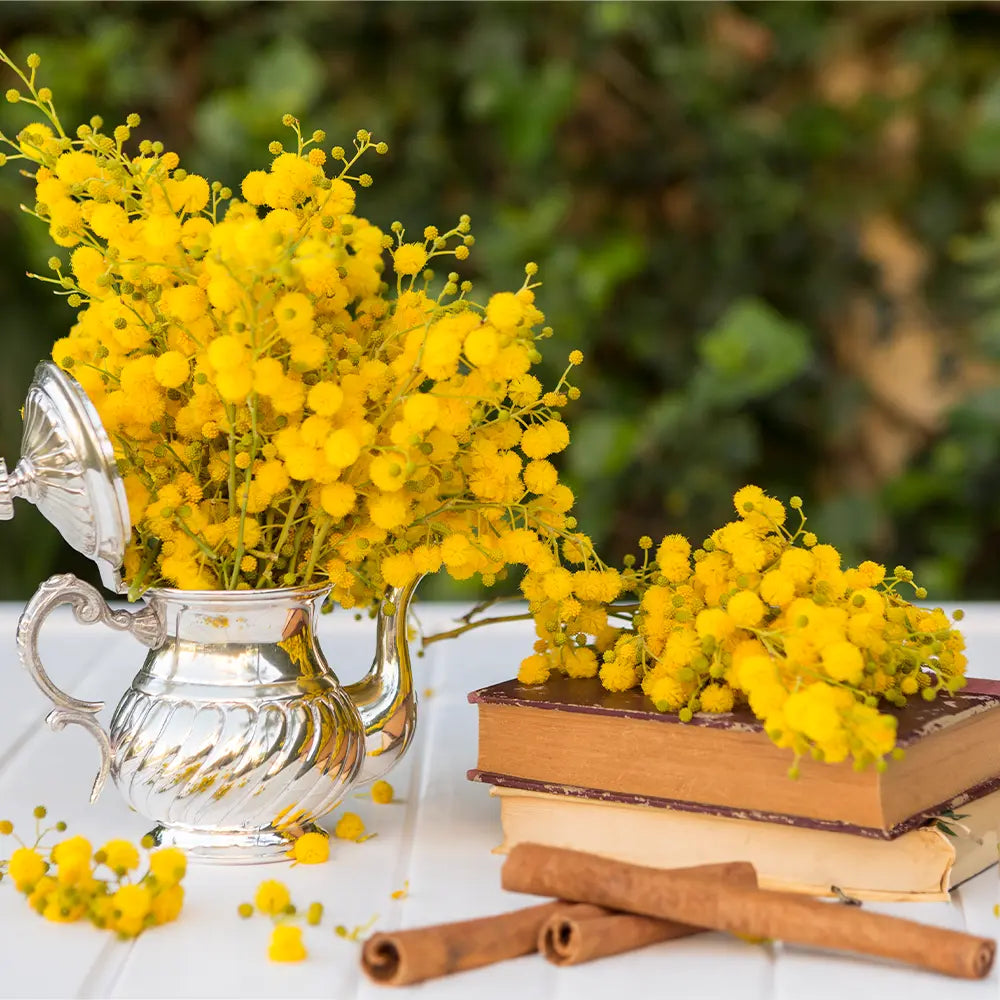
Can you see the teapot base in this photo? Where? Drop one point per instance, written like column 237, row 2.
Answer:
column 265, row 845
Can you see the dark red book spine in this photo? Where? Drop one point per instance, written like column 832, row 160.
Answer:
column 755, row 815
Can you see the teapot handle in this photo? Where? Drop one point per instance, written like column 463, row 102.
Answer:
column 88, row 607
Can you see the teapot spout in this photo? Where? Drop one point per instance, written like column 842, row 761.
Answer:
column 384, row 697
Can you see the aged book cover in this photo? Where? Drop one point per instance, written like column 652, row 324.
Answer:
column 922, row 864
column 575, row 735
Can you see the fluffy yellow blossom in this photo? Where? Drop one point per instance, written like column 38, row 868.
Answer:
column 349, row 827
column 482, row 346
column 325, row 398
column 409, row 259
column 541, row 440
column 120, row 856
column 619, row 674
column 666, row 692
column 558, row 583
column 868, row 574
column 798, row 565
column 227, row 353
column 504, row 310
column 399, row 569
column 167, row 904
column 271, row 897
column 73, row 860
column 540, row 476
column 717, row 698
column 130, row 904
column 168, row 864
column 172, row 369
column 338, row 499
column 714, row 623
column 777, row 588
column 26, row 866
column 388, row 510
column 534, row 669
column 311, row 848
column 843, row 661
column 673, row 558
column 420, row 412
column 580, row 661
column 293, row 314
column 286, row 944
column 382, row 792
column 745, row 609
column 680, row 648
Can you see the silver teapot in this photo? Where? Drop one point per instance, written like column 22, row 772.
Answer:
column 235, row 735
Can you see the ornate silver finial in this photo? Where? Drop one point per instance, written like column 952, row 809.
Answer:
column 68, row 471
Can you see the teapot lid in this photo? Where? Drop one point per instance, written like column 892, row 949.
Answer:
column 68, row 470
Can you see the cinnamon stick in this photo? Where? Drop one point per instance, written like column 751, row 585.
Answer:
column 412, row 956
column 570, row 937
column 566, row 939
column 721, row 905
column 404, row 957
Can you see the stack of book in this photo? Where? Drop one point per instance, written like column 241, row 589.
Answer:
column 576, row 766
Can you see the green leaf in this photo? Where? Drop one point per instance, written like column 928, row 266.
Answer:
column 751, row 352
column 603, row 444
column 665, row 419
column 602, row 269
column 951, row 815
column 286, row 78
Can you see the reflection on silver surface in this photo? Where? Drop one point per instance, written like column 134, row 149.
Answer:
column 385, row 696
column 235, row 733
column 68, row 470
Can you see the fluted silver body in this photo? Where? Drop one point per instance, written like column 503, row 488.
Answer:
column 235, row 734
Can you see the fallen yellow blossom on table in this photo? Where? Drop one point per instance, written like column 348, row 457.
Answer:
column 286, row 944
column 350, row 826
column 382, row 793
column 311, row 849
column 273, row 899
column 67, row 884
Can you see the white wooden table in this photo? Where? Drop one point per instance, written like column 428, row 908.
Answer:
column 438, row 837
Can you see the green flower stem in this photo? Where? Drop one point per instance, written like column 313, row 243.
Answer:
column 231, row 415
column 136, row 588
column 469, row 626
column 483, row 606
column 206, row 551
column 300, row 531
column 319, row 536
column 244, row 499
column 286, row 528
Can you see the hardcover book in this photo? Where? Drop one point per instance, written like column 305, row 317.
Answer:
column 572, row 737
column 920, row 865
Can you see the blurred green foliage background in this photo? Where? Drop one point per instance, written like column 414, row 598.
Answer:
column 767, row 225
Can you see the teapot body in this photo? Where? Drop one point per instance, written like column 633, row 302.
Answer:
column 235, row 734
